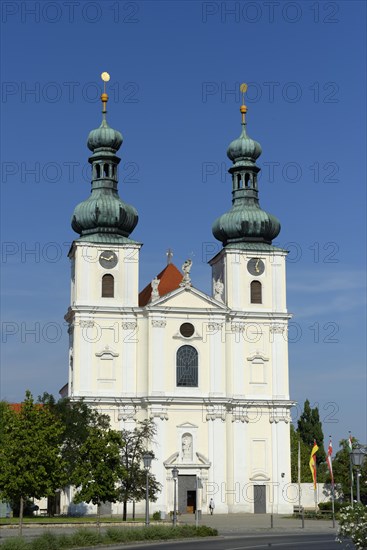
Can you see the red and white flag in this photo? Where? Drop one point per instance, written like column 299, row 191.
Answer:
column 329, row 461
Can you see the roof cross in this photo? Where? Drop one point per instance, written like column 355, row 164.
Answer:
column 169, row 255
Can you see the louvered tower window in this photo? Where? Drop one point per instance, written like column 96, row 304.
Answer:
column 256, row 292
column 108, row 285
column 187, row 367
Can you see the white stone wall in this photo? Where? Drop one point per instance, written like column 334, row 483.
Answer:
column 123, row 360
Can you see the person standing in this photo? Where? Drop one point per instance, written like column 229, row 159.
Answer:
column 211, row 506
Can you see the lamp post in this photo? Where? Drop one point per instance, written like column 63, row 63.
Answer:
column 147, row 459
column 358, row 455
column 174, row 475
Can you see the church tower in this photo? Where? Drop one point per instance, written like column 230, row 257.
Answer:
column 249, row 274
column 104, row 276
column 211, row 372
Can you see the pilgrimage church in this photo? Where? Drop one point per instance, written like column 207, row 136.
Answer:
column 211, row 370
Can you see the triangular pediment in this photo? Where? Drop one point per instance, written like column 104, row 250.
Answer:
column 187, row 425
column 187, row 297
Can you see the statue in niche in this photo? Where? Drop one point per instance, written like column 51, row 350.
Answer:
column 155, row 285
column 218, row 287
column 187, row 447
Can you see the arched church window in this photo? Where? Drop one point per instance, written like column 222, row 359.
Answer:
column 247, row 180
column 105, row 170
column 239, row 181
column 108, row 286
column 98, row 171
column 187, row 367
column 256, row 292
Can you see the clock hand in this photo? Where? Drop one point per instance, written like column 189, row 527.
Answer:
column 107, row 259
column 257, row 266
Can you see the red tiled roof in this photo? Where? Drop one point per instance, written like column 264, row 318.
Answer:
column 16, row 407
column 170, row 279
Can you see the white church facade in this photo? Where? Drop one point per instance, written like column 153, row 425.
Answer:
column 212, row 371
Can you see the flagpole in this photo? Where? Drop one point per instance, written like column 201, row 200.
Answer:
column 299, row 473
column 330, row 450
column 315, row 485
column 351, row 469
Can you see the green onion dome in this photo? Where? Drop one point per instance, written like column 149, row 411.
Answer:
column 246, row 221
column 249, row 224
column 104, row 137
column 104, row 216
column 244, row 148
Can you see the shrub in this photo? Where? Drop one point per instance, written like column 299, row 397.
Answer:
column 327, row 506
column 353, row 525
column 88, row 537
column 85, row 537
column 16, row 543
column 157, row 516
column 46, row 541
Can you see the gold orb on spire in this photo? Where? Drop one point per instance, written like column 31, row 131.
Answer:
column 243, row 108
column 243, row 88
column 104, row 97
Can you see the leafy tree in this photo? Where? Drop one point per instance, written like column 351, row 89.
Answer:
column 98, row 468
column 77, row 417
column 30, row 462
column 133, row 482
column 310, row 429
column 305, row 458
column 341, row 471
column 3, row 409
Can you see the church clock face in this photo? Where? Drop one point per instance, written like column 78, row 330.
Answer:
column 255, row 266
column 108, row 259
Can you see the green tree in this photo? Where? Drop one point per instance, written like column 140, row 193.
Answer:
column 3, row 409
column 132, row 486
column 30, row 461
column 341, row 472
column 77, row 417
column 310, row 429
column 305, row 458
column 98, row 468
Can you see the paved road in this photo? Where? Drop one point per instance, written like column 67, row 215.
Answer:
column 279, row 542
column 237, row 532
column 276, row 541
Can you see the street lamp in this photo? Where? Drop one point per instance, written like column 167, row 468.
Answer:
column 358, row 455
column 147, row 459
column 174, row 475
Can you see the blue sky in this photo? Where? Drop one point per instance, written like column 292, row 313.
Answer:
column 175, row 71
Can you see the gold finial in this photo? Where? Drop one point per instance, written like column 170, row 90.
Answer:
column 243, row 107
column 104, row 97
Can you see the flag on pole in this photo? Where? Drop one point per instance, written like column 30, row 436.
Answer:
column 350, row 449
column 313, row 463
column 329, row 461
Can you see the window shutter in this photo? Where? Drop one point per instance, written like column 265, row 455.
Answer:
column 107, row 286
column 256, row 297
